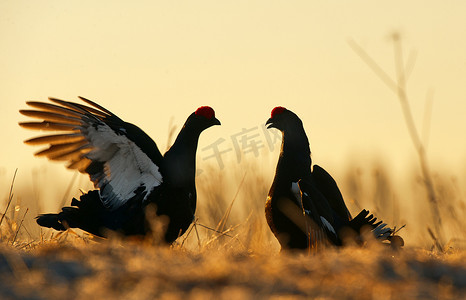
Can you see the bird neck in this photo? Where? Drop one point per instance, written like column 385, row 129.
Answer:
column 187, row 140
column 295, row 155
column 180, row 159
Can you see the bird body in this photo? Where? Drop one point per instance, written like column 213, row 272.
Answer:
column 304, row 207
column 124, row 164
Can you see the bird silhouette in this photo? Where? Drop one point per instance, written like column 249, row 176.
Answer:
column 305, row 208
column 125, row 165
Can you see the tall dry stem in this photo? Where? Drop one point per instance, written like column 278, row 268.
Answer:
column 399, row 87
column 10, row 197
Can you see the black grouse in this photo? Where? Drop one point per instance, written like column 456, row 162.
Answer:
column 125, row 165
column 304, row 208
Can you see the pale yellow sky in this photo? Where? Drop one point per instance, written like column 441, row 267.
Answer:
column 148, row 61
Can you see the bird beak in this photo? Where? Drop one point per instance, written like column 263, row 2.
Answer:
column 269, row 124
column 216, row 122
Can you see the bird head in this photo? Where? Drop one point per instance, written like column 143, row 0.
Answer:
column 283, row 119
column 203, row 118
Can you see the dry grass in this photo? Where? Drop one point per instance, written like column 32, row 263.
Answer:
column 56, row 270
column 231, row 254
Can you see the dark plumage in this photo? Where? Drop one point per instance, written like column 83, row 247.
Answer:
column 305, row 208
column 124, row 164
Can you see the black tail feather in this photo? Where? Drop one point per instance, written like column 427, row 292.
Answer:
column 362, row 219
column 378, row 228
column 50, row 221
column 85, row 213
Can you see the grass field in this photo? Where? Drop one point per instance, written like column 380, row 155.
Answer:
column 163, row 58
column 230, row 252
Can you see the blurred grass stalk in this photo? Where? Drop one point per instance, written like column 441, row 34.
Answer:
column 399, row 88
column 10, row 197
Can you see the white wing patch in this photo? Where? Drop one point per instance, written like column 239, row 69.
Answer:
column 116, row 165
column 327, row 225
column 126, row 167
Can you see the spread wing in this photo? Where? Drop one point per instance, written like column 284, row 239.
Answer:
column 121, row 160
column 318, row 209
column 328, row 187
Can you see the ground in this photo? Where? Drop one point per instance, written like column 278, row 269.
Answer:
column 82, row 268
column 232, row 254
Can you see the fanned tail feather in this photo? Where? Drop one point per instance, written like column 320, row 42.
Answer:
column 50, row 221
column 379, row 229
column 86, row 214
column 382, row 232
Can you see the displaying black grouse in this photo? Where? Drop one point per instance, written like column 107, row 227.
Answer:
column 125, row 165
column 305, row 208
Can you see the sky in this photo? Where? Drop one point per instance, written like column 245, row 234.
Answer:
column 155, row 62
